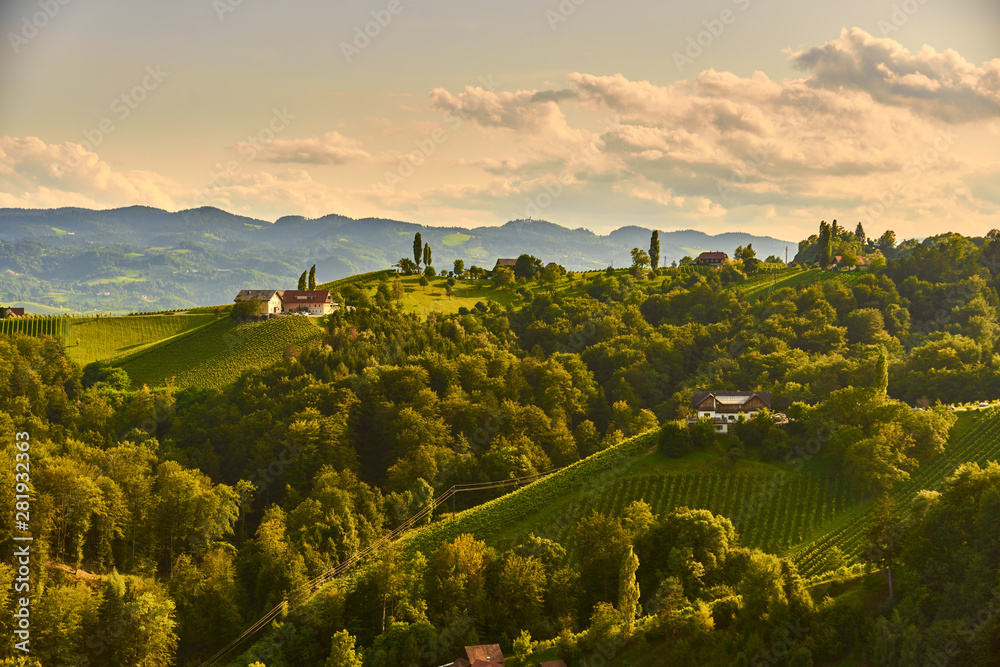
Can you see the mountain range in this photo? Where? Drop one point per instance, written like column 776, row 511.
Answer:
column 142, row 258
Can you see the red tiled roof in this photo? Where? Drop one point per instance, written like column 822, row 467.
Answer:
column 713, row 255
column 295, row 296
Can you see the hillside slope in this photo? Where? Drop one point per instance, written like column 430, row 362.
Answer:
column 216, row 354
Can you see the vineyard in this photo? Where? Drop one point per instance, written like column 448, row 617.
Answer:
column 770, row 511
column 975, row 437
column 761, row 285
column 107, row 338
column 215, row 354
column 52, row 325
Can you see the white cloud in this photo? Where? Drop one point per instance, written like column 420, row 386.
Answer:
column 940, row 84
column 331, row 148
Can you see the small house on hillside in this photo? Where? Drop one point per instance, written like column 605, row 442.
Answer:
column 268, row 299
column 861, row 263
column 711, row 259
column 11, row 312
column 724, row 407
column 509, row 263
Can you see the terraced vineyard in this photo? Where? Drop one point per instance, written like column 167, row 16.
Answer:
column 54, row 325
column 216, row 354
column 770, row 511
column 975, row 437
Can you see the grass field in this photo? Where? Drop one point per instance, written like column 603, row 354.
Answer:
column 107, row 338
column 215, row 354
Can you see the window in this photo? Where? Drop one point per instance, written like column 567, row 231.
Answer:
column 719, row 427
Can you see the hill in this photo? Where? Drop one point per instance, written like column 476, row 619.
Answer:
column 108, row 338
column 213, row 355
column 141, row 258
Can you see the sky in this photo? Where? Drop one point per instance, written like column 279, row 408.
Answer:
column 762, row 116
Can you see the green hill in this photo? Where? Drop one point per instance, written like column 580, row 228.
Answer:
column 215, row 354
column 106, row 338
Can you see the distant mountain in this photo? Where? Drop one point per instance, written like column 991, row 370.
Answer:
column 147, row 259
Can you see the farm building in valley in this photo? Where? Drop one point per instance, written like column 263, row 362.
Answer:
column 724, row 407
column 313, row 303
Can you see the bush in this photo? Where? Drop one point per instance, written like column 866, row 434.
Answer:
column 244, row 310
column 430, row 272
column 675, row 439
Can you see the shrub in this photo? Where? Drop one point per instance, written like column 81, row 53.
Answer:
column 675, row 439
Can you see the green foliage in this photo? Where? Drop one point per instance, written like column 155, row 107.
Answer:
column 303, row 281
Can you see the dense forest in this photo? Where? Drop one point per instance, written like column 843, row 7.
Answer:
column 168, row 521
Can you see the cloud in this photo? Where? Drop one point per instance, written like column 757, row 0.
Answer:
column 943, row 85
column 34, row 174
column 331, row 148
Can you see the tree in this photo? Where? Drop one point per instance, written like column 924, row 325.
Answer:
column 640, row 259
column 424, row 282
column 628, row 590
column 302, row 280
column 459, row 268
column 887, row 242
column 418, row 247
column 312, row 277
column 884, row 537
column 427, row 254
column 342, row 653
column 825, row 245
column 245, row 309
column 859, row 233
column 397, row 289
column 527, row 266
column 745, row 253
column 881, row 383
column 503, row 276
column 654, row 250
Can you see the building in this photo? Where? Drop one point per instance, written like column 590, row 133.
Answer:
column 509, row 263
column 711, row 259
column 725, row 407
column 11, row 312
column 269, row 300
column 306, row 302
column 862, row 263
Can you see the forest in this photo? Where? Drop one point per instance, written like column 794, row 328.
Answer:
column 166, row 521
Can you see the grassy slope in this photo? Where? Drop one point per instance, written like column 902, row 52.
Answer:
column 111, row 337
column 216, row 354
